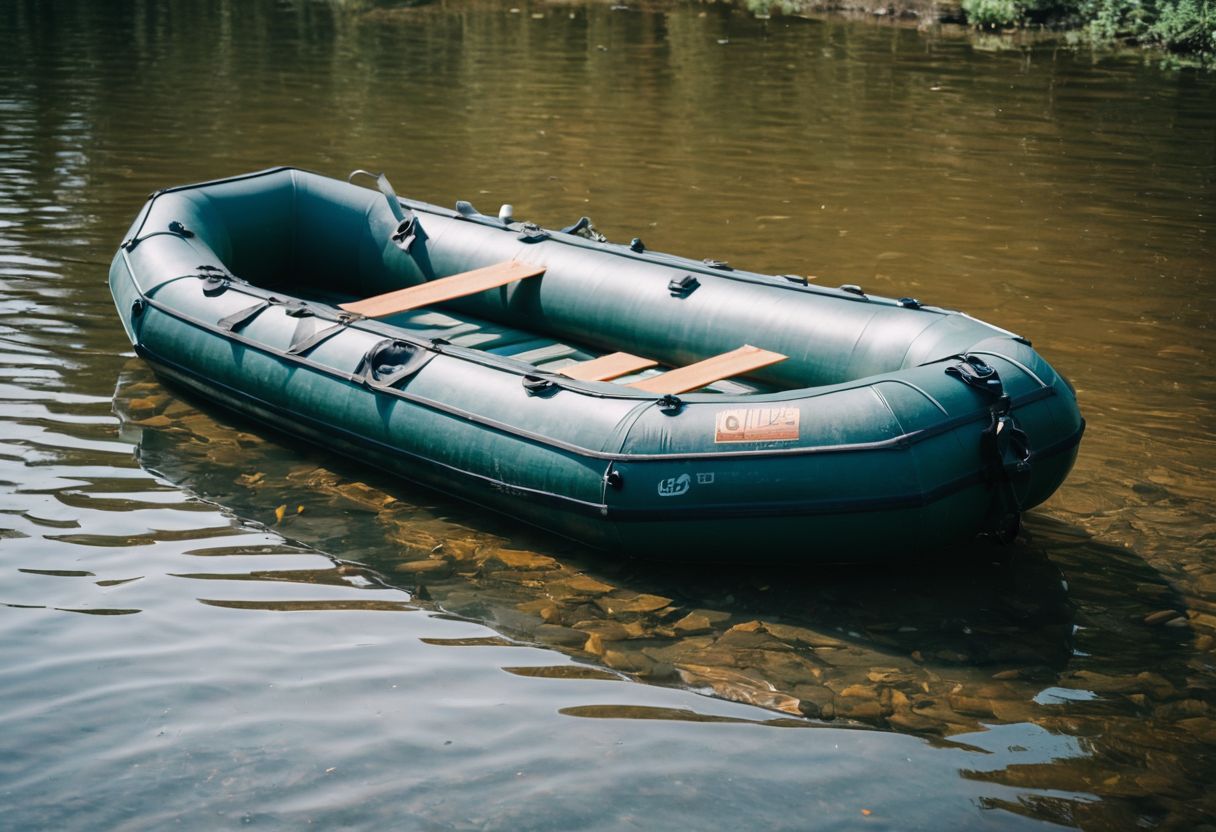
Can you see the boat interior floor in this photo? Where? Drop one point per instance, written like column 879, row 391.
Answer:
column 543, row 352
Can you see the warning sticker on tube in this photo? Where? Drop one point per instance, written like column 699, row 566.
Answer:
column 757, row 424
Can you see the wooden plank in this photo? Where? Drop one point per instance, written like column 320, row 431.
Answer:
column 694, row 376
column 607, row 367
column 444, row 289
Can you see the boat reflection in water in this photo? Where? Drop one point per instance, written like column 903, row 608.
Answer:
column 981, row 647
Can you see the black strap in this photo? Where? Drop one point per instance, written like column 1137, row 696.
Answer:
column 1004, row 447
column 236, row 320
column 304, row 345
column 318, row 338
column 977, row 374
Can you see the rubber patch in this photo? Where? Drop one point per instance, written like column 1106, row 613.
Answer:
column 757, row 424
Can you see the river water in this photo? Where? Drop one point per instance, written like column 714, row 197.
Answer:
column 205, row 625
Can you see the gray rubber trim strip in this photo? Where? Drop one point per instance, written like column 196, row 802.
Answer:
column 831, row 506
column 900, row 442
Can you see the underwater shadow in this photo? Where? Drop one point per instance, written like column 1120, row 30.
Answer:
column 1059, row 633
column 931, row 646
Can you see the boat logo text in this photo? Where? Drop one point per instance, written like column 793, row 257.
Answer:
column 675, row 486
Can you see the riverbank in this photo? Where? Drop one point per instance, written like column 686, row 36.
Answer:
column 1178, row 32
column 1185, row 28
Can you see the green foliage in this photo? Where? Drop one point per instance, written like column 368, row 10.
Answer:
column 992, row 14
column 1187, row 26
column 1111, row 18
column 781, row 6
column 1181, row 25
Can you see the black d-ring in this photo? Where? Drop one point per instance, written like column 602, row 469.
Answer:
column 214, row 285
column 539, row 385
column 682, row 287
column 670, row 405
column 532, row 233
column 975, row 372
column 406, row 233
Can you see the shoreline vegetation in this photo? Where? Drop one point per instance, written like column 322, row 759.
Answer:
column 1184, row 28
column 1180, row 32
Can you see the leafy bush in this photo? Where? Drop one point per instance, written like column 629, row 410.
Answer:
column 1187, row 25
column 991, row 14
column 1179, row 25
column 1115, row 18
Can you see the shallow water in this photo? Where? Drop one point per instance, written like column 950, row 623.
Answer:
column 176, row 651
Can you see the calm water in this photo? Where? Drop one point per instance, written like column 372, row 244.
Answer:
column 206, row 626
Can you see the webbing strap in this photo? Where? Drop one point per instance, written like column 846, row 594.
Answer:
column 236, row 320
column 315, row 340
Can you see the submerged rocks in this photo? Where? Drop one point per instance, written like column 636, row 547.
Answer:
column 638, row 603
column 700, row 621
column 932, row 654
column 579, row 585
column 524, row 560
column 430, row 568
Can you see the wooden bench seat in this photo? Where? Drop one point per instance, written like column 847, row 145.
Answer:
column 443, row 289
column 607, row 367
column 738, row 362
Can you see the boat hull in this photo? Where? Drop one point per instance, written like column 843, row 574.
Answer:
column 858, row 468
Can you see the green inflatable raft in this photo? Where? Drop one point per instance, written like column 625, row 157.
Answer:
column 638, row 402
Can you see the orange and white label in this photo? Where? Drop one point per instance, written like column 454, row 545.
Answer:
column 757, row 424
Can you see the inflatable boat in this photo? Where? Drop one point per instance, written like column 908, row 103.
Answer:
column 638, row 402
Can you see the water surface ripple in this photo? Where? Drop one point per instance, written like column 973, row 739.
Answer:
column 205, row 625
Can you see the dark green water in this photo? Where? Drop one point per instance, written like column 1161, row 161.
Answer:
column 173, row 653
